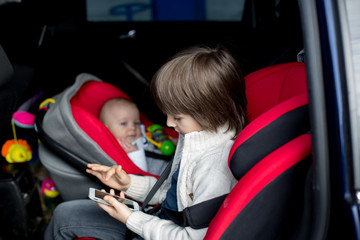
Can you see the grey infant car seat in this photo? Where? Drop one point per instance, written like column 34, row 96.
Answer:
column 72, row 135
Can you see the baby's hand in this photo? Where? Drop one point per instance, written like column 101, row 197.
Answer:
column 128, row 147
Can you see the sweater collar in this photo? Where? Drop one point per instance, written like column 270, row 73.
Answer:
column 205, row 140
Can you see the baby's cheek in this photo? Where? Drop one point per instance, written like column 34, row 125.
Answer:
column 139, row 134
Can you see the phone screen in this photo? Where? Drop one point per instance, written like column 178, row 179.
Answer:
column 127, row 202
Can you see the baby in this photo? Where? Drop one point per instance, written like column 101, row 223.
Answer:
column 122, row 118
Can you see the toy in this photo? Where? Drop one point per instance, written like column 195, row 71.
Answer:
column 17, row 150
column 48, row 188
column 155, row 134
column 23, row 119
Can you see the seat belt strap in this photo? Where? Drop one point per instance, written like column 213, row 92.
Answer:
column 157, row 185
column 196, row 216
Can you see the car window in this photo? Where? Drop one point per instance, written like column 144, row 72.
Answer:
column 163, row 10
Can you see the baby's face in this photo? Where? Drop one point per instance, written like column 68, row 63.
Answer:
column 124, row 122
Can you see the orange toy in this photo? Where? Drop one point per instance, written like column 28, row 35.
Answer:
column 16, row 150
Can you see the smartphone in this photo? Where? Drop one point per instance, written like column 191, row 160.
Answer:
column 97, row 195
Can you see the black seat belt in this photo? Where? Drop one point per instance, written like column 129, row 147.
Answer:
column 196, row 216
column 157, row 185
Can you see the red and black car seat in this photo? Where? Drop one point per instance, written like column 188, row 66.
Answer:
column 271, row 158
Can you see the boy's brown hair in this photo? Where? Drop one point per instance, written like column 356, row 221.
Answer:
column 205, row 83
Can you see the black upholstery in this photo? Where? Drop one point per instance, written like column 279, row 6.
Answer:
column 14, row 79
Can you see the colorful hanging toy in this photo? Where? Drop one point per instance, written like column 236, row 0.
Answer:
column 48, row 188
column 18, row 150
column 155, row 134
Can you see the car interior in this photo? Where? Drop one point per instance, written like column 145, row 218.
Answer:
column 67, row 44
column 287, row 188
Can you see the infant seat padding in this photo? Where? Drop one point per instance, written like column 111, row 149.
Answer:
column 77, row 128
column 71, row 183
column 87, row 117
column 86, row 107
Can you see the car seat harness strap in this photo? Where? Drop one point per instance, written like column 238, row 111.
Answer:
column 196, row 216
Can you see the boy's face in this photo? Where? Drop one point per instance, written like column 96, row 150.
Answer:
column 183, row 123
column 124, row 122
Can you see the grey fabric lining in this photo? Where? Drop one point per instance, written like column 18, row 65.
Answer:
column 59, row 124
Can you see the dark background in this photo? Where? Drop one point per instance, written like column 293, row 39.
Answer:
column 49, row 42
column 268, row 34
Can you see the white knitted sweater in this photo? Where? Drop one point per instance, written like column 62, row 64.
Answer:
column 204, row 174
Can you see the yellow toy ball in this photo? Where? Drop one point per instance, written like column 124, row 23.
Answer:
column 16, row 151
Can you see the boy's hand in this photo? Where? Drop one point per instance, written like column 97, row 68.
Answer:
column 118, row 210
column 113, row 177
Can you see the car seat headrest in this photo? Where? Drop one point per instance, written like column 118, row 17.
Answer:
column 268, row 132
column 270, row 86
column 93, row 94
column 277, row 112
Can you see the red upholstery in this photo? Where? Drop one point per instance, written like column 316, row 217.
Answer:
column 86, row 106
column 270, row 153
column 255, row 180
column 268, row 117
column 270, row 86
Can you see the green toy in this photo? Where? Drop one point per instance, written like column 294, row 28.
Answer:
column 155, row 134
